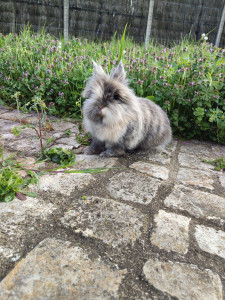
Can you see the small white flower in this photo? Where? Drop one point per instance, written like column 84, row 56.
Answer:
column 203, row 35
column 59, row 45
column 206, row 38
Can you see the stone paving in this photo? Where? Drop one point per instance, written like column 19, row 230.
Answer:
column 153, row 227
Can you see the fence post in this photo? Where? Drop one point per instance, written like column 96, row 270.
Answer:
column 220, row 30
column 149, row 23
column 66, row 19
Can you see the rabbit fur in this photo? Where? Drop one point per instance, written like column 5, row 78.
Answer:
column 118, row 120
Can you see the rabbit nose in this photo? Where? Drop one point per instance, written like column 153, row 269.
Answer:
column 100, row 111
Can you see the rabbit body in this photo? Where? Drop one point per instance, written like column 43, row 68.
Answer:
column 118, row 120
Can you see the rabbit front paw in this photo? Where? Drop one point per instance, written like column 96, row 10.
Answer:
column 107, row 153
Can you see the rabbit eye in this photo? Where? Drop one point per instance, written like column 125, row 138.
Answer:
column 116, row 96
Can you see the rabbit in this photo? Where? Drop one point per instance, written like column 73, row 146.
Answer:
column 118, row 120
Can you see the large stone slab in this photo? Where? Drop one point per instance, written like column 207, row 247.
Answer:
column 105, row 219
column 63, row 183
column 28, row 132
column 62, row 126
column 194, row 162
column 218, row 151
column 7, row 154
column 17, row 220
column 171, row 232
column 161, row 157
column 69, row 141
column 26, row 145
column 7, row 126
column 13, row 116
column 14, row 213
column 197, row 203
column 196, row 148
column 196, row 178
column 8, row 137
column 186, row 282
column 222, row 180
column 210, row 240
column 133, row 187
column 58, row 135
column 202, row 150
column 3, row 109
column 158, row 172
column 94, row 161
column 59, row 270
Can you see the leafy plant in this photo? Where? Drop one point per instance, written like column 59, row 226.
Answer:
column 217, row 117
column 11, row 182
column 219, row 163
column 68, row 132
column 16, row 130
column 63, row 157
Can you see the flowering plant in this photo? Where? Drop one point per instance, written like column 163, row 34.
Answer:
column 186, row 80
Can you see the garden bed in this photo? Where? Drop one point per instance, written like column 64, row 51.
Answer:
column 187, row 80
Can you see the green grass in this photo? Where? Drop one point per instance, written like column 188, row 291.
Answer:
column 186, row 80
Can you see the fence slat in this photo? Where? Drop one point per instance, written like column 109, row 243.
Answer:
column 149, row 23
column 66, row 19
column 220, row 30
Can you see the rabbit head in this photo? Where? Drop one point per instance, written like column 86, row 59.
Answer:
column 108, row 97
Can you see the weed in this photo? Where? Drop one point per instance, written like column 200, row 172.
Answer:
column 219, row 163
column 68, row 132
column 11, row 182
column 63, row 157
column 84, row 139
column 16, row 130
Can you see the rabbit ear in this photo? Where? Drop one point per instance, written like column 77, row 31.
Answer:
column 98, row 71
column 119, row 73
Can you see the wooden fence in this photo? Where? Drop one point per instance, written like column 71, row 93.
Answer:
column 100, row 19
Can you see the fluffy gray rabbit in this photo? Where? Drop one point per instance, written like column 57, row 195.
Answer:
column 118, row 120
